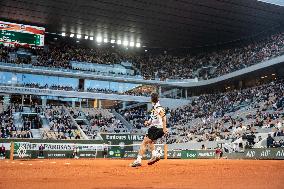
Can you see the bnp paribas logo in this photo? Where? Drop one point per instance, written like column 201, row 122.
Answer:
column 22, row 152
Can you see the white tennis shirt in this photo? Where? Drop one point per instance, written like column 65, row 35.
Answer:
column 155, row 117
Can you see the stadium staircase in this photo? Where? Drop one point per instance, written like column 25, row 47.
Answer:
column 121, row 118
column 75, row 123
column 45, row 125
column 1, row 107
column 44, row 122
column 36, row 133
column 17, row 119
column 84, row 118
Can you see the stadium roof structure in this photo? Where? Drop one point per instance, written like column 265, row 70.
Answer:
column 154, row 23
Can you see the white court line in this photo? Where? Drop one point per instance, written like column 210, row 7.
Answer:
column 21, row 163
column 53, row 162
column 67, row 163
column 30, row 164
column 13, row 162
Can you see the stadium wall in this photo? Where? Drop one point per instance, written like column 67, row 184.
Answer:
column 96, row 149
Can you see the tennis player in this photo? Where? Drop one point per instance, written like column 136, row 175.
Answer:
column 157, row 124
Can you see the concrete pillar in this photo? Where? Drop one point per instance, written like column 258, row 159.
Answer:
column 149, row 106
column 95, row 104
column 160, row 91
column 185, row 93
column 14, row 79
column 240, row 84
column 99, row 103
column 123, row 105
column 6, row 101
column 73, row 104
column 22, row 100
column 80, row 102
column 43, row 101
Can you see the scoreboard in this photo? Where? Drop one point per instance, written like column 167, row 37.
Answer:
column 11, row 33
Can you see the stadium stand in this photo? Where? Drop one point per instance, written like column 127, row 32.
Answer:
column 227, row 116
column 136, row 117
column 164, row 66
column 11, row 130
column 142, row 94
column 60, row 125
column 252, row 112
column 94, row 121
column 249, row 114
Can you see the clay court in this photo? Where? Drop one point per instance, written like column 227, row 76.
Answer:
column 99, row 173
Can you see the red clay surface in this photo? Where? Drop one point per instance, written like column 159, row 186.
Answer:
column 99, row 173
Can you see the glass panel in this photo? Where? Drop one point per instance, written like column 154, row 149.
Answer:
column 41, row 80
column 108, row 85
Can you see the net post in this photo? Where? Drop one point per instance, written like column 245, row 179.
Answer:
column 165, row 151
column 12, row 151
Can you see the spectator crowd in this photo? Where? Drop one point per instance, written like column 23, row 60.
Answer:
column 164, row 66
column 210, row 117
column 61, row 126
column 224, row 116
column 9, row 129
